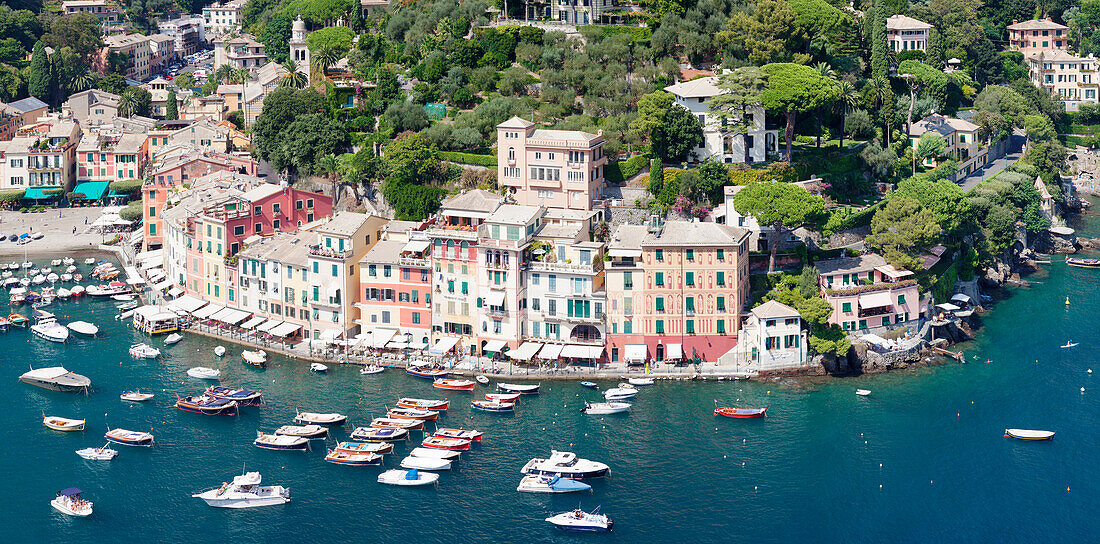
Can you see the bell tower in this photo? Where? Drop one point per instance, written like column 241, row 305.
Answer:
column 299, row 52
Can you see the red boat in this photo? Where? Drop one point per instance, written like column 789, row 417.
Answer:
column 453, row 385
column 423, row 404
column 741, row 412
column 461, row 434
column 445, row 443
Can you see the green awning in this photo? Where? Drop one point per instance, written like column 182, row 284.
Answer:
column 113, row 194
column 38, row 193
column 93, row 190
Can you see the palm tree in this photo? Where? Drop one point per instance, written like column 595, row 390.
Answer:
column 847, row 99
column 240, row 75
column 127, row 103
column 329, row 167
column 880, row 92
column 293, row 78
column 225, row 73
column 825, row 70
column 325, row 58
column 83, row 81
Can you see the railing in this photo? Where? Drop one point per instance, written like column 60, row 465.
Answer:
column 624, row 264
column 460, row 234
column 537, row 266
column 504, row 244
column 495, row 311
column 595, row 317
column 411, row 261
column 319, row 251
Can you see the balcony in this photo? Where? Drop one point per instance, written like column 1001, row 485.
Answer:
column 496, row 311
column 591, row 268
column 327, row 252
column 453, row 232
column 625, row 264
column 412, row 261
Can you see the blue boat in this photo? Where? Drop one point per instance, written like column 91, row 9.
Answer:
column 245, row 397
column 590, row 385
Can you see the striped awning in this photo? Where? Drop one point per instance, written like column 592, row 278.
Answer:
column 251, row 323
column 525, row 352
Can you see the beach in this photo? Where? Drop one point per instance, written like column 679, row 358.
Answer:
column 58, row 227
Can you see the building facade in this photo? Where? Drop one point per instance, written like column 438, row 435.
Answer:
column 222, row 17
column 1070, row 78
column 241, row 51
column 136, row 48
column 334, row 273
column 550, row 168
column 906, row 33
column 395, row 290
column 187, row 34
column 719, row 142
column 772, row 338
column 866, row 292
column 1037, row 35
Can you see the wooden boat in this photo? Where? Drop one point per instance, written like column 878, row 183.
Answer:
column 129, row 438
column 340, row 457
column 311, row 432
column 502, row 397
column 1027, row 434
column 318, row 368
column 426, row 371
column 391, row 423
column 462, row 434
column 423, row 404
column 445, row 443
column 741, row 412
column 325, row 420
column 453, row 385
column 280, row 442
column 205, row 405
column 63, row 423
column 381, row 448
column 244, row 397
column 493, row 406
column 1083, row 263
column 18, row 320
column 135, row 396
column 372, row 434
column 522, row 388
column 412, row 413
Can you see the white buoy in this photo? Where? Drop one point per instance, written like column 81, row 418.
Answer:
column 1090, row 371
column 1082, row 390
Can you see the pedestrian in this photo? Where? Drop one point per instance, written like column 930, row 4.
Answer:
column 74, row 230
column 85, row 220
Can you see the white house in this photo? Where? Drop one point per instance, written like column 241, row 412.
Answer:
column 773, row 338
column 718, row 142
column 907, row 34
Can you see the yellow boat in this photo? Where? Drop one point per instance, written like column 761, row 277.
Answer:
column 63, row 423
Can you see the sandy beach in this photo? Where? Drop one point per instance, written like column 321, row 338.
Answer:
column 66, row 230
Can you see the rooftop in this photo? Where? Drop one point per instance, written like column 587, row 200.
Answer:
column 703, row 87
column 281, row 247
column 774, row 310
column 27, row 105
column 628, row 237
column 942, row 125
column 511, row 214
column 516, row 122
column 344, row 224
column 472, row 201
column 384, row 252
column 262, row 191
column 691, row 233
column 1036, row 24
column 847, row 265
column 901, row 22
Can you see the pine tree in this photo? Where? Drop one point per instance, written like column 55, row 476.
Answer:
column 934, row 54
column 879, row 49
column 356, row 18
column 38, row 73
column 171, row 112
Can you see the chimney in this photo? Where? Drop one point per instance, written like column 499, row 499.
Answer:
column 1014, row 21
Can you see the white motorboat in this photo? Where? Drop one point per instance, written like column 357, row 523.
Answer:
column 71, row 502
column 245, row 491
column 50, row 330
column 619, row 393
column 135, row 396
column 579, row 520
column 52, row 277
column 550, row 484
column 68, row 261
column 255, row 358
column 56, row 378
column 204, row 373
column 407, row 477
column 605, row 408
column 6, row 274
column 38, row 280
column 326, row 420
column 83, row 327
column 524, row 388
column 104, row 453
column 483, row 380
column 89, row 261
column 18, row 295
column 318, row 367
column 433, row 453
column 123, row 298
column 144, row 351
column 371, row 369
column 173, row 338
column 312, row 432
column 77, row 290
column 640, row 381
column 1028, row 434
column 33, row 272
column 219, row 351
column 425, row 463
column 565, row 464
column 64, row 293
column 863, row 392
column 55, row 262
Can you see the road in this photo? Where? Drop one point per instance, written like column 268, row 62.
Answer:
column 1015, row 145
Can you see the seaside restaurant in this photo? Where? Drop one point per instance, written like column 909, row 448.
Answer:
column 155, row 320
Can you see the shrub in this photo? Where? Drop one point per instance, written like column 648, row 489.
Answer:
column 469, row 158
column 618, row 172
column 132, row 212
column 126, row 186
column 12, row 195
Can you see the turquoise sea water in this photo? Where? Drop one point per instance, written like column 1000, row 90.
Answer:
column 920, row 460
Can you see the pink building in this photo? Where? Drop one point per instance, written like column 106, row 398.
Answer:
column 865, row 292
column 1037, row 35
column 395, row 299
column 550, row 168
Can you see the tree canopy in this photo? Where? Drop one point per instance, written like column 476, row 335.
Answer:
column 794, row 89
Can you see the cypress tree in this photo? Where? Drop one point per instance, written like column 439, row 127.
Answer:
column 171, row 112
column 38, row 73
column 879, row 48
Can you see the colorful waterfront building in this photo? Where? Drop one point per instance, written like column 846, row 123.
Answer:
column 866, row 292
column 772, row 339
column 102, row 158
column 625, row 281
column 273, row 278
column 1037, row 35
column 334, row 274
column 395, row 298
column 499, row 292
column 550, row 168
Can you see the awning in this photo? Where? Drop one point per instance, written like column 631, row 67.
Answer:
column 269, row 325
column 133, row 274
column 207, row 311
column 494, row 346
column 625, row 253
column 443, row 345
column 175, row 291
column 675, row 351
column 874, row 300
column 399, row 344
column 582, row 352
column 550, row 351
column 636, row 352
column 416, row 246
column 285, row 329
column 231, row 316
column 163, row 285
column 148, row 265
column 38, row 193
column 525, row 352
column 188, row 303
column 381, row 337
column 959, row 297
column 156, row 276
column 136, row 237
column 893, row 273
column 947, row 307
column 251, row 323
column 153, row 255
column 329, row 334
column 135, row 280
column 495, row 298
column 92, row 190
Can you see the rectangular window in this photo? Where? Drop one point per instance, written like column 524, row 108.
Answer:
column 720, row 278
column 659, row 326
column 628, row 327
column 659, row 279
column 846, row 307
column 690, row 255
column 720, row 254
column 628, row 281
column 689, row 304
column 721, row 303
column 720, row 326
column 659, row 304
column 689, row 326
column 901, row 299
column 660, row 254
column 689, row 279
column 416, row 318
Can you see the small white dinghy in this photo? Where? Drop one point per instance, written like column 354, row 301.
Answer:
column 407, row 477
column 104, row 453
column 640, row 381
column 425, row 463
column 135, row 396
column 83, row 327
column 863, row 392
column 483, row 380
column 318, row 368
column 1028, row 434
column 89, row 260
column 122, row 298
column 71, row 502
column 620, row 393
column 144, row 351
column 173, row 338
column 58, row 423
column 64, row 293
column 204, row 373
column 605, row 408
column 433, row 453
column 219, row 351
column 371, row 369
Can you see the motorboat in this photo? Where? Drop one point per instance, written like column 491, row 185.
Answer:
column 372, row 434
column 449, row 455
column 129, row 438
column 63, row 423
column 219, row 351
column 244, row 397
column 123, row 298
column 551, row 484
column 318, row 368
column 863, row 392
column 579, row 520
column 104, row 453
column 741, row 413
column 324, row 420
column 426, row 371
column 280, row 442
column 412, row 413
column 640, row 381
column 52, row 277
column 620, row 393
column 77, row 290
column 423, row 404
column 68, row 261
column 493, row 406
column 56, row 378
column 353, row 459
column 209, row 406
column 1027, row 434
column 522, row 388
column 64, row 294
column 445, row 443
column 453, row 385
column 55, row 262
column 392, row 423
column 425, row 463
column 27, row 264
column 111, row 289
column 565, row 464
column 371, row 369
column 605, row 408
column 173, row 338
column 71, row 502
column 312, row 432
column 502, row 397
column 135, row 396
column 1083, row 263
column 204, row 373
column 38, row 280
column 381, row 448
column 255, row 358
column 590, row 385
column 83, row 327
column 1069, row 344
column 483, row 380
column 245, row 492
column 407, row 477
column 89, row 261
column 144, row 351
column 50, row 330
column 461, row 434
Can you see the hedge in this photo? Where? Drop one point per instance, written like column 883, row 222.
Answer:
column 778, row 171
column 469, row 158
column 12, row 195
column 637, row 34
column 620, row 171
column 126, row 186
column 131, row 212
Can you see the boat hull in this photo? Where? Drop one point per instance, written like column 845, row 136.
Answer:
column 426, row 374
column 518, row 388
column 741, row 413
column 143, row 441
column 53, row 386
column 245, row 503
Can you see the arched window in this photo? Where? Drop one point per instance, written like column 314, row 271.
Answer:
column 450, row 249
column 465, row 250
column 506, row 260
column 511, row 153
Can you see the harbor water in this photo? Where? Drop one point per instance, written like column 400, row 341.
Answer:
column 922, row 459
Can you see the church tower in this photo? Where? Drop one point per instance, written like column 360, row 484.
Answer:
column 299, row 52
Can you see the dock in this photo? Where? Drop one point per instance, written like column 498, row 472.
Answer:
column 957, row 355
